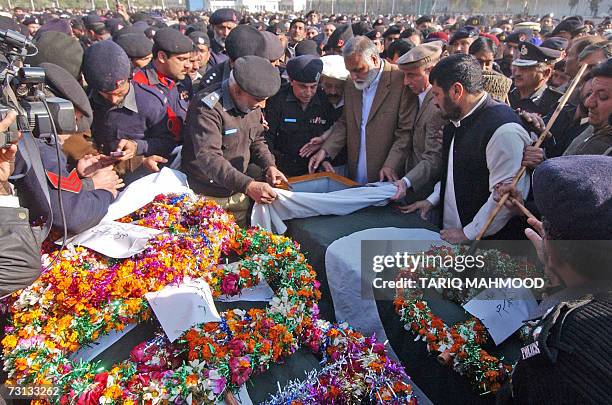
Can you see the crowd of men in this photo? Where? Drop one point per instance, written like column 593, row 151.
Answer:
column 447, row 108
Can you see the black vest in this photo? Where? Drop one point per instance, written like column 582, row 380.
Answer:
column 470, row 171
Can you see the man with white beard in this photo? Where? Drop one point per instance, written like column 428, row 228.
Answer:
column 223, row 21
column 376, row 122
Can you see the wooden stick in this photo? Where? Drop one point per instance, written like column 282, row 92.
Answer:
column 520, row 206
column 541, row 139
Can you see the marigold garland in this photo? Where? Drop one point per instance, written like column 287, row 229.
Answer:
column 86, row 295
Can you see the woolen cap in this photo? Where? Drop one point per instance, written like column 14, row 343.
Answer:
column 305, row 68
column 106, row 66
column 245, row 40
column 256, row 76
column 274, row 47
column 135, row 45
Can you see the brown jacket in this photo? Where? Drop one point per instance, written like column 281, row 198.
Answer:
column 388, row 127
column 219, row 142
column 424, row 153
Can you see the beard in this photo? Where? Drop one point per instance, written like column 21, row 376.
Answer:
column 219, row 40
column 450, row 110
column 364, row 84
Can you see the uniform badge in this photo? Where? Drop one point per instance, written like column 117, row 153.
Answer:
column 290, row 120
column 524, row 50
column 230, row 131
column 530, row 350
column 317, row 120
column 72, row 183
column 184, row 95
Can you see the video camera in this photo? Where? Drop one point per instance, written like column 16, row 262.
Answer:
column 23, row 91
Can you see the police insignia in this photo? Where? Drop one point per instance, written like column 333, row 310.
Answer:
column 72, row 183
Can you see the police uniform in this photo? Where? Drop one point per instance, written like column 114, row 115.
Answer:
column 291, row 127
column 544, row 100
column 220, row 140
column 83, row 206
column 141, row 117
column 177, row 96
column 218, row 52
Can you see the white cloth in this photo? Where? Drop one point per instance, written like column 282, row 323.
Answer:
column 343, row 269
column 504, row 154
column 367, row 99
column 291, row 204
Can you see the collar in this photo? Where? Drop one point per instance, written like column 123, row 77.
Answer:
column 457, row 124
column 423, row 94
column 226, row 97
column 377, row 78
column 340, row 103
column 129, row 101
column 292, row 98
column 538, row 93
column 155, row 77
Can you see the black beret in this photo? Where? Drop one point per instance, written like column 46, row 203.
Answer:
column 77, row 23
column 141, row 16
column 373, row 34
column 199, row 38
column 465, row 32
column 343, row 33
column 196, row 27
column 307, row 47
column 64, row 85
column 573, row 25
column 56, row 24
column 99, row 73
column 172, row 41
column 224, row 15
column 114, row 24
column 531, row 55
column 150, row 32
column 518, row 36
column 361, row 27
column 60, row 49
column 423, row 19
column 392, row 30
column 557, row 43
column 574, row 195
column 305, row 68
column 135, row 45
column 256, row 76
column 130, row 29
column 274, row 47
column 30, row 20
column 245, row 40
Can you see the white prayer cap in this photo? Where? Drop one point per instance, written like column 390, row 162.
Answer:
column 496, row 31
column 334, row 68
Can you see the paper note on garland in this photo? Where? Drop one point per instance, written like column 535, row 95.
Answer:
column 93, row 350
column 502, row 310
column 115, row 239
column 179, row 307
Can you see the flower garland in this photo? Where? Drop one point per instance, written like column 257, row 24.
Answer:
column 461, row 344
column 86, row 295
column 355, row 365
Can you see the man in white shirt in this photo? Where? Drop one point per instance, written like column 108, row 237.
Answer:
column 377, row 118
column 482, row 147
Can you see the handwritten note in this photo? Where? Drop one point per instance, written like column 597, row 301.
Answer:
column 502, row 311
column 179, row 307
column 115, row 239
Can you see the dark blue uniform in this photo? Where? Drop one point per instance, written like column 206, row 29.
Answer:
column 176, row 103
column 217, row 53
column 142, row 117
column 543, row 101
column 84, row 207
column 291, row 127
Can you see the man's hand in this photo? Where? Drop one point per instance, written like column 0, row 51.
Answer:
column 261, row 192
column 151, row 162
column 454, row 236
column 275, row 177
column 504, row 188
column 107, row 179
column 327, row 166
column 401, row 190
column 311, row 147
column 533, row 121
column 89, row 164
column 123, row 12
column 7, row 155
column 532, row 157
column 128, row 147
column 387, row 173
column 423, row 206
column 315, row 160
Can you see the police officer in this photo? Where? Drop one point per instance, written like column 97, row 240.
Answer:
column 299, row 112
column 223, row 21
column 223, row 133
column 170, row 66
column 33, row 24
column 138, row 48
column 567, row 358
column 242, row 41
column 129, row 119
column 531, row 72
column 202, row 43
